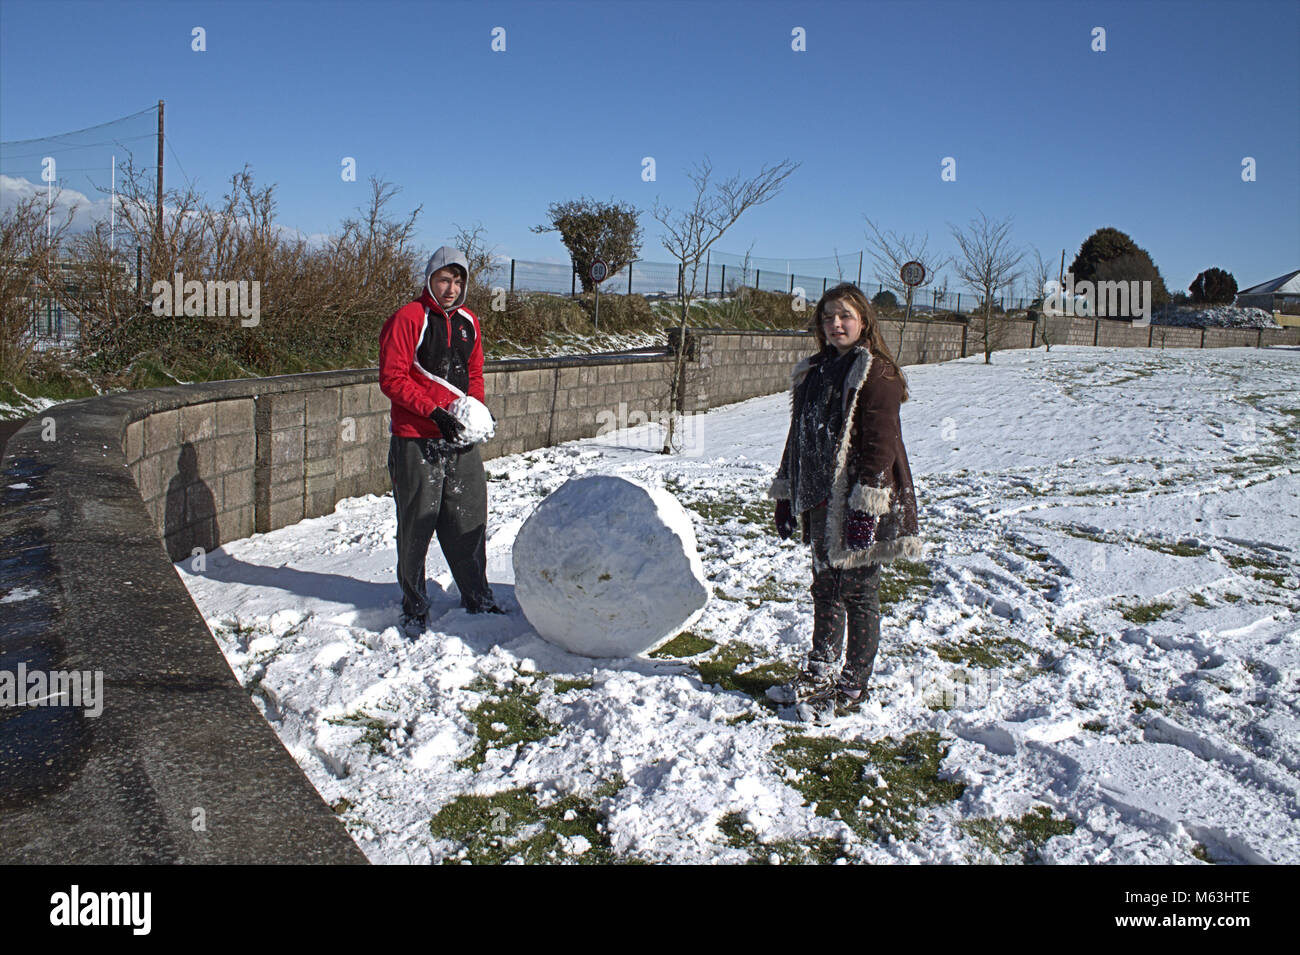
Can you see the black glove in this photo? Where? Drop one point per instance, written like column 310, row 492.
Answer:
column 452, row 430
column 784, row 519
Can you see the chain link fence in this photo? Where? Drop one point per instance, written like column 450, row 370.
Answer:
column 720, row 279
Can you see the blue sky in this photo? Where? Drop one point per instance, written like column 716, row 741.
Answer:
column 1148, row 136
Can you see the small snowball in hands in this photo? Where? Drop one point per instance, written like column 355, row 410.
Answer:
column 473, row 414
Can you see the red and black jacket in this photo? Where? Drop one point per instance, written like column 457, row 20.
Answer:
column 427, row 359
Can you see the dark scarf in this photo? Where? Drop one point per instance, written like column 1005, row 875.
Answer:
column 817, row 430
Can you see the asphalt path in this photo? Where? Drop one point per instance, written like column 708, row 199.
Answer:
column 7, row 428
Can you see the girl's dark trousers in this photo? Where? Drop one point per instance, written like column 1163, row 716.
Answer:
column 843, row 599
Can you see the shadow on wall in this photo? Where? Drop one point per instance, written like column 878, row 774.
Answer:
column 191, row 511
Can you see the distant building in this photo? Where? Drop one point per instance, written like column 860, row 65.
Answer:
column 1281, row 294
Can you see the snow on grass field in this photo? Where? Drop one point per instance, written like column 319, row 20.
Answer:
column 1098, row 660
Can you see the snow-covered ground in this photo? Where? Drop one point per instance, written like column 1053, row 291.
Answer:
column 1098, row 660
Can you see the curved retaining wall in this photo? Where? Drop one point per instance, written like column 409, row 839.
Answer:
column 102, row 495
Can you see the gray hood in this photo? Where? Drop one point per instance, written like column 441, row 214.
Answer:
column 441, row 259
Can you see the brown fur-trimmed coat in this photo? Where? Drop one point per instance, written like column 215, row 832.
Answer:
column 871, row 473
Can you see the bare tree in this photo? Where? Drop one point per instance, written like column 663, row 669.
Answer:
column 1038, row 275
column 890, row 252
column 481, row 256
column 987, row 263
column 690, row 232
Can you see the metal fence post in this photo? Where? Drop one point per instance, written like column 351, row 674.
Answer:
column 629, row 278
column 758, row 282
column 512, row 276
column 573, row 284
column 791, row 283
column 724, row 280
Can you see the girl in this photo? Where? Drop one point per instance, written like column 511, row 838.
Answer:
column 844, row 477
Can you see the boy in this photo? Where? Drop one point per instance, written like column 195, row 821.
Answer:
column 431, row 354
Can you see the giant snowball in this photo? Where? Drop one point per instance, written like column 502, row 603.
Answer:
column 607, row 567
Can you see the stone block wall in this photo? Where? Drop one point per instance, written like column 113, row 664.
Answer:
column 922, row 341
column 733, row 366
column 1280, row 336
column 1231, row 338
column 541, row 402
column 1115, row 334
column 1169, row 336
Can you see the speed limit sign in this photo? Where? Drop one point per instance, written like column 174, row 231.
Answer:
column 599, row 270
column 912, row 273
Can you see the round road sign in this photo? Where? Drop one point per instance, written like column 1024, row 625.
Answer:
column 599, row 270
column 912, row 273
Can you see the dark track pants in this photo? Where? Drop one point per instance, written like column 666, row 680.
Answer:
column 843, row 599
column 442, row 492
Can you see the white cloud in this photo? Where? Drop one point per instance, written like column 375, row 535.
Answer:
column 86, row 211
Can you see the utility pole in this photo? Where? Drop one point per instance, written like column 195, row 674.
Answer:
column 158, row 227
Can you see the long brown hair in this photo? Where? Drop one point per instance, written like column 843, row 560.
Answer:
column 872, row 336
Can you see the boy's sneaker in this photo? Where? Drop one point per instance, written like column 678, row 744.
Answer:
column 414, row 624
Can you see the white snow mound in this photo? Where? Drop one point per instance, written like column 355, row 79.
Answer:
column 607, row 567
column 476, row 418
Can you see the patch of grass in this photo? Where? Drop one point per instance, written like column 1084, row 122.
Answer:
column 1141, row 706
column 1095, row 726
column 1199, row 600
column 1232, row 598
column 1019, row 839
column 515, row 708
column 718, row 507
column 1236, row 562
column 732, row 668
column 579, row 683
column 1028, row 551
column 512, row 826
column 741, row 835
column 1087, row 535
column 1077, row 635
column 376, row 730
column 988, row 654
column 1177, row 549
column 1276, row 579
column 900, row 578
column 770, row 589
column 1200, row 852
column 342, row 806
column 841, row 777
column 1145, row 613
column 685, row 644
